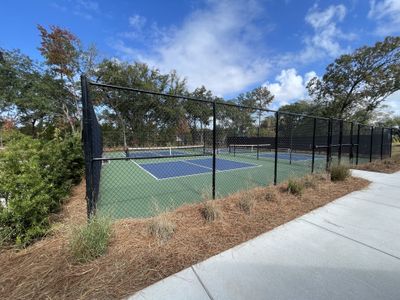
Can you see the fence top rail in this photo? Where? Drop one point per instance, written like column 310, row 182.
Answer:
column 111, row 86
column 176, row 96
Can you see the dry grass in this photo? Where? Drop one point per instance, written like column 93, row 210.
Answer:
column 135, row 259
column 210, row 211
column 295, row 186
column 247, row 201
column 162, row 227
column 340, row 172
column 271, row 195
column 390, row 165
column 90, row 240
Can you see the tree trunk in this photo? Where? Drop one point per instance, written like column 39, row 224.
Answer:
column 33, row 131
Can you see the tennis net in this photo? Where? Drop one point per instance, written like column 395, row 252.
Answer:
column 172, row 151
column 244, row 148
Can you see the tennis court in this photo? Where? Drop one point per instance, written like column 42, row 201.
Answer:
column 167, row 178
column 164, row 157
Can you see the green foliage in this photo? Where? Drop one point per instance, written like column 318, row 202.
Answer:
column 339, row 172
column 35, row 176
column 356, row 84
column 90, row 240
column 302, row 107
column 295, row 186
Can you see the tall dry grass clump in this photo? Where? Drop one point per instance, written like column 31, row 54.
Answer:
column 339, row 172
column 90, row 241
column 247, row 202
column 295, row 186
column 162, row 227
column 210, row 211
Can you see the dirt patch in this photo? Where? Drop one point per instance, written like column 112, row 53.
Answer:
column 135, row 259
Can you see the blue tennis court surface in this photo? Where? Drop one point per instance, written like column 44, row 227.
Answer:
column 172, row 169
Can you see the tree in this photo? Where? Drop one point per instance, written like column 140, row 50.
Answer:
column 61, row 49
column 358, row 83
column 259, row 97
column 142, row 115
column 63, row 54
column 198, row 114
column 28, row 94
column 302, row 107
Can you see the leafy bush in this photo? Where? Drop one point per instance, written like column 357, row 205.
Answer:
column 339, row 172
column 35, row 176
column 295, row 186
column 90, row 240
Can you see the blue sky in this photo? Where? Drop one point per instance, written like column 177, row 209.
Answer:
column 230, row 46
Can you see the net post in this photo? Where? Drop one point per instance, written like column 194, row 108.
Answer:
column 358, row 142
column 313, row 145
column 276, row 147
column 371, row 143
column 214, row 146
column 87, row 148
column 340, row 142
column 382, row 133
column 351, row 143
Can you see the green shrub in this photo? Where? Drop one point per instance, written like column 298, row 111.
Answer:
column 339, row 172
column 295, row 186
column 90, row 241
column 35, row 177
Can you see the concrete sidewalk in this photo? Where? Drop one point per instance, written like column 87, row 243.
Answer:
column 348, row 249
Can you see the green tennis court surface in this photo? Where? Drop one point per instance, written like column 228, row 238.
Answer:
column 134, row 188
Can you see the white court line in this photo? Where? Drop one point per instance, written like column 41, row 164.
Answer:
column 156, row 178
column 221, row 171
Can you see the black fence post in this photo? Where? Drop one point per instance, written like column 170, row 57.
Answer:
column 328, row 149
column 351, row 143
column 358, row 142
column 276, row 148
column 382, row 133
column 87, row 148
column 214, row 146
column 391, row 142
column 258, row 136
column 313, row 145
column 340, row 142
column 371, row 143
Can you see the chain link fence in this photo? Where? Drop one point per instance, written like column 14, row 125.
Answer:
column 146, row 151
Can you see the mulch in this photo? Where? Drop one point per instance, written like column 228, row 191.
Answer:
column 135, row 259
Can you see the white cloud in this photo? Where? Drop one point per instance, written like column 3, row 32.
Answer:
column 218, row 46
column 86, row 8
column 137, row 21
column 387, row 15
column 327, row 35
column 289, row 86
